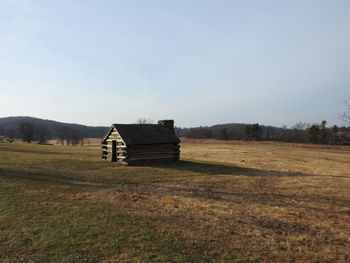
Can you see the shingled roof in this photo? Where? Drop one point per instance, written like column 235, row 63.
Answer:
column 133, row 134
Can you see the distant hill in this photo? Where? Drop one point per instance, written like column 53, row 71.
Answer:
column 303, row 133
column 13, row 123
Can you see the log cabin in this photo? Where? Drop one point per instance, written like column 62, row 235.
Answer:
column 132, row 144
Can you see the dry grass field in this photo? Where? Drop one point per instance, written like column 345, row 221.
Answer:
column 236, row 202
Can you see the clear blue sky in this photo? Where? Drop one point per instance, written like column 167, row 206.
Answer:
column 198, row 62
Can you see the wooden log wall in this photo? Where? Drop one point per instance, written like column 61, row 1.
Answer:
column 134, row 154
column 153, row 152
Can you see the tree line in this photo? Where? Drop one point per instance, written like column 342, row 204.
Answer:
column 299, row 133
column 73, row 134
column 29, row 132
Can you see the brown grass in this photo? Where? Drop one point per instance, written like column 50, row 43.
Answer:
column 287, row 204
column 220, row 203
column 273, row 143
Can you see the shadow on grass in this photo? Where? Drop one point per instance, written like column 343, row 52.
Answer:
column 76, row 173
column 209, row 168
column 270, row 197
column 49, row 178
column 4, row 149
column 76, row 179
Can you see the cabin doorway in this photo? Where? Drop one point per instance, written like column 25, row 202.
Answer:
column 114, row 151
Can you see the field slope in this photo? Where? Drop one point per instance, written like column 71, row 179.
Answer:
column 220, row 203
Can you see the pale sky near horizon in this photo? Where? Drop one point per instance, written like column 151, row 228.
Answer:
column 198, row 62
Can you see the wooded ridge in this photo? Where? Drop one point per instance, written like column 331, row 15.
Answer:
column 322, row 133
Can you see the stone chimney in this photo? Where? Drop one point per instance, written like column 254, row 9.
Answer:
column 167, row 124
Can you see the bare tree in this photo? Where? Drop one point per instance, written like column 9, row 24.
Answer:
column 10, row 134
column 72, row 136
column 62, row 134
column 43, row 134
column 26, row 130
column 345, row 116
column 75, row 137
column 299, row 132
column 144, row 121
